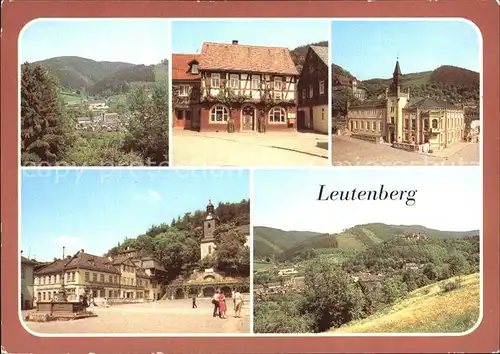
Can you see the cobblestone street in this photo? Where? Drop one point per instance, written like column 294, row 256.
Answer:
column 166, row 316
column 348, row 151
column 249, row 149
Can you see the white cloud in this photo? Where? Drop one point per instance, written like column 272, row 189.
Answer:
column 154, row 195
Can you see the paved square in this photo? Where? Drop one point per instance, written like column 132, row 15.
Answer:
column 165, row 316
column 348, row 151
column 248, row 149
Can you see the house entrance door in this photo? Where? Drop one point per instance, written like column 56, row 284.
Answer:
column 179, row 121
column 301, row 121
column 248, row 117
column 187, row 120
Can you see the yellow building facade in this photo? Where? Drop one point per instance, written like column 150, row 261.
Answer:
column 96, row 276
column 412, row 123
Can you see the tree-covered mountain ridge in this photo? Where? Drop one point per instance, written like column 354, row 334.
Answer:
column 286, row 245
column 77, row 73
column 447, row 82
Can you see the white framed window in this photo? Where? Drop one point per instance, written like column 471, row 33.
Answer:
column 194, row 69
column 278, row 88
column 184, row 90
column 374, row 126
column 256, row 82
column 234, row 81
column 219, row 114
column 215, row 80
column 322, row 87
column 278, row 84
column 311, row 91
column 277, row 115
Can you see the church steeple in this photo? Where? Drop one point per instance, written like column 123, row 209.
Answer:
column 210, row 210
column 396, row 78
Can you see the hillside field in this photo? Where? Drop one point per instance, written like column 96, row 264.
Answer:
column 426, row 310
column 261, row 265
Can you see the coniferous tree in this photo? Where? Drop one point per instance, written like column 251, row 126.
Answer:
column 43, row 136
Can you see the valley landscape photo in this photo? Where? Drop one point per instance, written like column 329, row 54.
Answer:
column 398, row 99
column 360, row 266
column 97, row 95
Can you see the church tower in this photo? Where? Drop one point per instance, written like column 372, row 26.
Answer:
column 207, row 244
column 396, row 101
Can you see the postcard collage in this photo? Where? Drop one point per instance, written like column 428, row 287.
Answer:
column 250, row 176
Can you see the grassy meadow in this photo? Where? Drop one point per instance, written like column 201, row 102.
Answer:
column 429, row 309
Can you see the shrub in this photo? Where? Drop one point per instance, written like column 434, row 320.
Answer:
column 451, row 285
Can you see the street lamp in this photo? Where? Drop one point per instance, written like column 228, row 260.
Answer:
column 61, row 296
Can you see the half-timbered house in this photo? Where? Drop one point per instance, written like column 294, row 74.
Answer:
column 251, row 88
column 313, row 91
column 185, row 91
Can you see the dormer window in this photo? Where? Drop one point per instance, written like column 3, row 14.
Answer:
column 194, row 69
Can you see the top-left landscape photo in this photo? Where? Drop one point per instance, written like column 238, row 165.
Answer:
column 94, row 92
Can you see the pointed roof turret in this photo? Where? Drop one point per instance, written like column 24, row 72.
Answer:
column 396, row 78
column 397, row 70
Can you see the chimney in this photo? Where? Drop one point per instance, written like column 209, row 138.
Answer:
column 235, row 42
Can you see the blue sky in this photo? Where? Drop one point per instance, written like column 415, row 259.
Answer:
column 96, row 209
column 447, row 198
column 368, row 49
column 132, row 41
column 188, row 36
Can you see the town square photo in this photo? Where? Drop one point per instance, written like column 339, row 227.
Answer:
column 405, row 92
column 392, row 250
column 152, row 251
column 94, row 92
column 250, row 93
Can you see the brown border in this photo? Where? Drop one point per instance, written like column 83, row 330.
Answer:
column 485, row 13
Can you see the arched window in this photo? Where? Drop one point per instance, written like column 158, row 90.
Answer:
column 219, row 114
column 277, row 115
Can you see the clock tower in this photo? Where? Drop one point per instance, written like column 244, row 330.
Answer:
column 207, row 244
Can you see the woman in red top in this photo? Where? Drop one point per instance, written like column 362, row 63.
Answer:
column 222, row 305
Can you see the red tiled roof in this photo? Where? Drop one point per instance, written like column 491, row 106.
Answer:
column 180, row 66
column 237, row 57
column 80, row 260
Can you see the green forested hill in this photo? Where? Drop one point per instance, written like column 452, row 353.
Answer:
column 269, row 242
column 448, row 83
column 299, row 54
column 291, row 244
column 95, row 77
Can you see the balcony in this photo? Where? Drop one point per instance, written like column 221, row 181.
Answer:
column 435, row 131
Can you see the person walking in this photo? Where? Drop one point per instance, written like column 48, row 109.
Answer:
column 215, row 302
column 222, row 305
column 194, row 302
column 238, row 304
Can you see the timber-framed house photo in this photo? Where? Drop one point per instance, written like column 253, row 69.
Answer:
column 238, row 80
